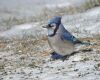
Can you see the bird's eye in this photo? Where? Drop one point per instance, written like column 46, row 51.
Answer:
column 53, row 25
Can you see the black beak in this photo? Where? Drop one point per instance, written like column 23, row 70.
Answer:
column 46, row 26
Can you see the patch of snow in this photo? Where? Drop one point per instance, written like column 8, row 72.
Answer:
column 19, row 31
column 64, row 3
column 23, row 26
column 87, row 23
column 93, row 12
column 95, row 29
column 57, row 5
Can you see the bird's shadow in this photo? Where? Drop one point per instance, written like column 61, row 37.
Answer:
column 66, row 57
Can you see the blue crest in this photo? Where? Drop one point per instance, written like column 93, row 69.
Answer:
column 56, row 20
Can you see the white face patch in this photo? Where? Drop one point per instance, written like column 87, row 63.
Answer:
column 51, row 29
column 53, row 26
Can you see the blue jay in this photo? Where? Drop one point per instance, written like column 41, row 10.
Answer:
column 60, row 40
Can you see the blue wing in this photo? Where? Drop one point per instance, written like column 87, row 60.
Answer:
column 67, row 36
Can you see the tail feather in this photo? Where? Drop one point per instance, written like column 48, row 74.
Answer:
column 81, row 42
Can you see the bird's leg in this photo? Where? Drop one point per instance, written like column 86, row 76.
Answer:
column 55, row 56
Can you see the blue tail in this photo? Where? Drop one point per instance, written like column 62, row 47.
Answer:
column 80, row 42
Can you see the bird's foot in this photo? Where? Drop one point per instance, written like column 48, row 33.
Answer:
column 55, row 56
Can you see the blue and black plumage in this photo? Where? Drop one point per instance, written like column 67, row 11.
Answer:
column 69, row 37
column 60, row 40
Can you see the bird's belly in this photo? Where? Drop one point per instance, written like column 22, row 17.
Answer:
column 61, row 47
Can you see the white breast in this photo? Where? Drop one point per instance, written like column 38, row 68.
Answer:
column 60, row 46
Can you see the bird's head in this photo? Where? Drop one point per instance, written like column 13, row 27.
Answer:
column 53, row 25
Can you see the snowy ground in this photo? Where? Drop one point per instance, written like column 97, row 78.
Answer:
column 30, row 60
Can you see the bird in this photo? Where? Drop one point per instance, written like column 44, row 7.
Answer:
column 61, row 41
